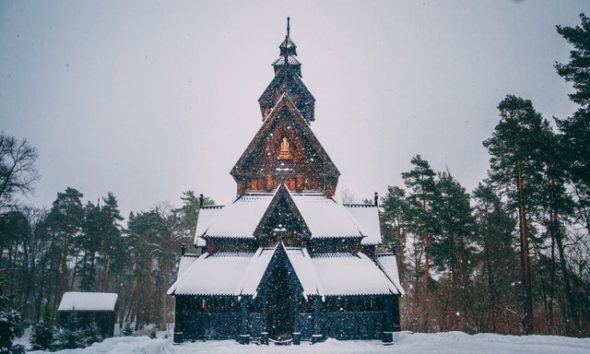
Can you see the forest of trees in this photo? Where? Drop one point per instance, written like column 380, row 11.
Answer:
column 83, row 246
column 513, row 256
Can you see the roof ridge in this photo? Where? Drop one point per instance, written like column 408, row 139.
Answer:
column 212, row 206
column 358, row 205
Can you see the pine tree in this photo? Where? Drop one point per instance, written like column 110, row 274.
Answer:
column 420, row 181
column 10, row 323
column 64, row 224
column 516, row 170
column 110, row 237
column 43, row 333
column 576, row 129
column 395, row 208
column 71, row 335
column 494, row 229
column 127, row 330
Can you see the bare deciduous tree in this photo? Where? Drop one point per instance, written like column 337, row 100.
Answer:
column 17, row 168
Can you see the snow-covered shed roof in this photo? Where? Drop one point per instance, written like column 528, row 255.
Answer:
column 347, row 274
column 388, row 263
column 216, row 274
column 240, row 218
column 87, row 301
column 325, row 217
column 367, row 217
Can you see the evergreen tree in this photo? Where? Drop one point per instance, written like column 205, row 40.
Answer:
column 90, row 244
column 420, row 182
column 43, row 333
column 452, row 250
column 453, row 229
column 111, row 237
column 64, row 224
column 576, row 129
column 127, row 330
column 395, row 208
column 576, row 71
column 71, row 335
column 516, row 167
column 494, row 235
column 14, row 229
column 10, row 322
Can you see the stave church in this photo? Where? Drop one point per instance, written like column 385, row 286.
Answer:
column 285, row 262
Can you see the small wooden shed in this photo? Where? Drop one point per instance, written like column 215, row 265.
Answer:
column 90, row 307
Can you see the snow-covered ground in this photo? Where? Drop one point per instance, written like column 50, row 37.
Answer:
column 407, row 343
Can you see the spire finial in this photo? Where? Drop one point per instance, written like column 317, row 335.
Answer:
column 288, row 26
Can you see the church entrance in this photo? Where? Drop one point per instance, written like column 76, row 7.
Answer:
column 280, row 300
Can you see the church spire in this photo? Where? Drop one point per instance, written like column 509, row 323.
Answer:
column 288, row 48
column 288, row 81
column 288, row 52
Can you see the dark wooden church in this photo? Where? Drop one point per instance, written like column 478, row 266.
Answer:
column 284, row 261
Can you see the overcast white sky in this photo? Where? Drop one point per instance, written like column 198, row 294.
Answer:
column 148, row 99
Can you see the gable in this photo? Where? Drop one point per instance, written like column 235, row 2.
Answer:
column 282, row 211
column 280, row 259
column 309, row 166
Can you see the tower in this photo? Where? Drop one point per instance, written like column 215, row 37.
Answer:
column 285, row 148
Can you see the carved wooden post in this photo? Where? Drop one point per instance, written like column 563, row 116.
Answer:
column 387, row 335
column 316, row 336
column 244, row 337
column 396, row 324
column 264, row 330
column 296, row 323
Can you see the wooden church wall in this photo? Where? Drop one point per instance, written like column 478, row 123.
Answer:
column 205, row 317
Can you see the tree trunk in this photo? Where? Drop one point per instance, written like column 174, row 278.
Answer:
column 427, row 242
column 570, row 316
column 524, row 255
column 399, row 248
column 104, row 286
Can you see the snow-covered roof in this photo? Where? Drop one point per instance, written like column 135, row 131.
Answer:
column 388, row 263
column 325, row 275
column 291, row 59
column 206, row 216
column 185, row 263
column 255, row 271
column 367, row 217
column 347, row 274
column 217, row 274
column 87, row 301
column 325, row 217
column 305, row 271
column 240, row 218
